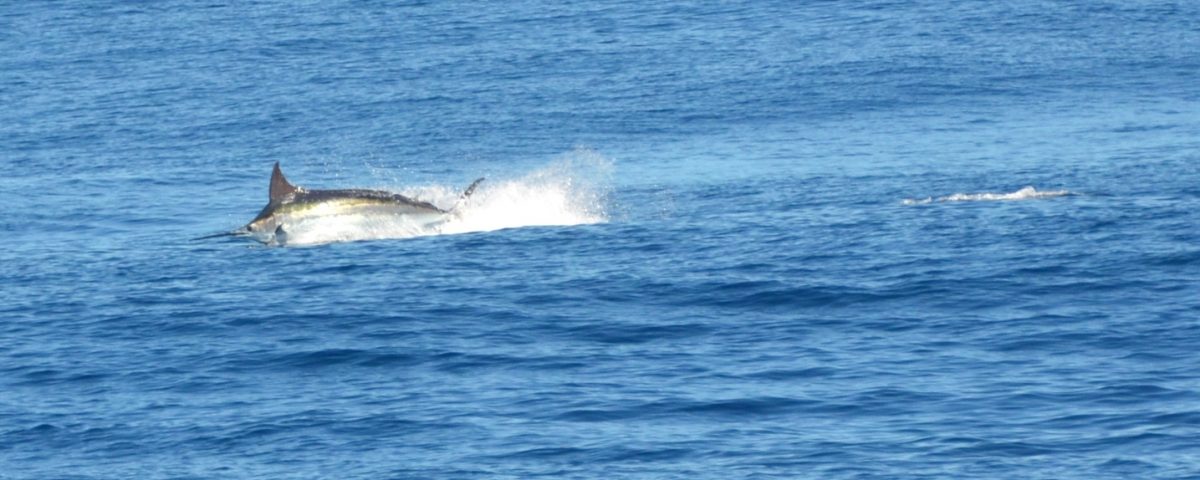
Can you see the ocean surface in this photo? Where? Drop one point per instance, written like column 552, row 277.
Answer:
column 717, row 240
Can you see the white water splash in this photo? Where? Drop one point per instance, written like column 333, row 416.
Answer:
column 573, row 190
column 1027, row 193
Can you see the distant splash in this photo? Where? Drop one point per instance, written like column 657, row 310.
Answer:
column 1027, row 193
column 572, row 190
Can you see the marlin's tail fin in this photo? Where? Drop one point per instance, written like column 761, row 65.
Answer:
column 466, row 194
column 471, row 189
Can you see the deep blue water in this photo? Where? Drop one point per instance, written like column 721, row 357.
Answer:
column 717, row 240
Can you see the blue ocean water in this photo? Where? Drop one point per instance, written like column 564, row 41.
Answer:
column 879, row 239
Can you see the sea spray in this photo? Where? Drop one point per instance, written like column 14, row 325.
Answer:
column 572, row 190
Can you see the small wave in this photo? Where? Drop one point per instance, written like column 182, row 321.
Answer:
column 1027, row 193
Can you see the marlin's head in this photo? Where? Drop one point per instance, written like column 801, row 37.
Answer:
column 264, row 223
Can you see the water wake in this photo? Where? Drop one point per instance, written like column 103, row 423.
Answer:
column 1027, row 193
column 573, row 190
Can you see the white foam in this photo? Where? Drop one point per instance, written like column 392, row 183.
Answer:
column 572, row 190
column 1027, row 193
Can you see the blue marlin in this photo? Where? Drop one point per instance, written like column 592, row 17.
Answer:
column 290, row 205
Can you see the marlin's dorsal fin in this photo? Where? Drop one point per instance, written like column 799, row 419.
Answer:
column 279, row 186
